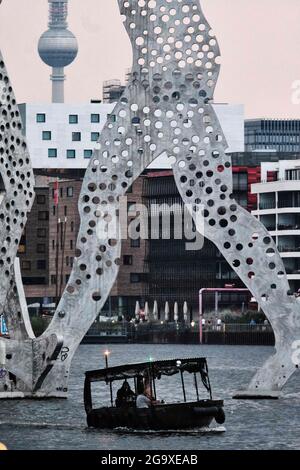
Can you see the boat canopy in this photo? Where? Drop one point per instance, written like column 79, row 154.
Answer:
column 154, row 368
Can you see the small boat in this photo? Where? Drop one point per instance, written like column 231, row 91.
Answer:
column 161, row 416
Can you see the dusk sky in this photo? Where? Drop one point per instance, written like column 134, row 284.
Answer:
column 259, row 40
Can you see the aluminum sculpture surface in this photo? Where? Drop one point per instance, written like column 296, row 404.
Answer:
column 166, row 108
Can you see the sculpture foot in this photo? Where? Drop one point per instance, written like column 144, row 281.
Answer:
column 256, row 395
column 274, row 374
column 24, row 366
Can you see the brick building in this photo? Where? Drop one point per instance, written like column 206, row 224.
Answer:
column 151, row 270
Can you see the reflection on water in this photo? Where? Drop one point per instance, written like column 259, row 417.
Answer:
column 61, row 424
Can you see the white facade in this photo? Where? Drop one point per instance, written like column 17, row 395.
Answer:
column 279, row 210
column 70, row 153
column 57, row 122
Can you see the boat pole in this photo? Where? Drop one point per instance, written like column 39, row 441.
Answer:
column 183, row 386
column 201, row 315
column 196, row 386
column 154, row 385
column 106, row 354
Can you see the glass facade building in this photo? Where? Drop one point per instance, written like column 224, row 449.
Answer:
column 272, row 134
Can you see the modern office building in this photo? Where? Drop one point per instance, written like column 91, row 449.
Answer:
column 63, row 135
column 278, row 209
column 278, row 135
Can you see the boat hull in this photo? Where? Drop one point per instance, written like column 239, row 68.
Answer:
column 159, row 417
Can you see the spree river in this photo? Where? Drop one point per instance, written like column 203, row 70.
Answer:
column 61, row 424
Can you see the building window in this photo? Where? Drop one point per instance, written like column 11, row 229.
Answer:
column 67, row 278
column 66, row 210
column 53, row 244
column 26, row 265
column 135, row 243
column 71, row 261
column 61, row 192
column 130, row 190
column 111, row 118
column 41, row 248
column 41, row 199
column 41, row 264
column 95, row 136
column 72, row 226
column 95, row 118
column 53, row 279
column 88, row 153
column 47, row 135
column 70, row 191
column 67, row 261
column 34, row 281
column 41, row 118
column 54, row 210
column 71, row 244
column 76, row 136
column 73, row 119
column 52, row 153
column 43, row 215
column 41, row 233
column 71, row 153
column 22, row 248
column 131, row 207
column 135, row 278
column 240, row 181
column 127, row 260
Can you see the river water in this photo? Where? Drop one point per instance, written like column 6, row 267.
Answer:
column 60, row 424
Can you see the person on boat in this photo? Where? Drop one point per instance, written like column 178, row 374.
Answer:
column 144, row 399
column 125, row 396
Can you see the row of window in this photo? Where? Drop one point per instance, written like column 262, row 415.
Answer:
column 71, row 245
column 292, row 175
column 76, row 136
column 41, row 265
column 42, row 200
column 271, row 138
column 54, row 279
column 69, row 192
column 73, row 118
column 70, row 153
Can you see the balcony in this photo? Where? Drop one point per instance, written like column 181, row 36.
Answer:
column 288, row 249
column 284, row 203
column 267, row 205
column 287, row 227
column 292, row 271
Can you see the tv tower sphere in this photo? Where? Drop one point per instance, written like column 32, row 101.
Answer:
column 58, row 47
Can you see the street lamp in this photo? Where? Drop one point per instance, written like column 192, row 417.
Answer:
column 106, row 355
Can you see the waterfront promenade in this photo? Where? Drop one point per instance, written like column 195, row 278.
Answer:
column 231, row 334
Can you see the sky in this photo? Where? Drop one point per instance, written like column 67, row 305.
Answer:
column 259, row 41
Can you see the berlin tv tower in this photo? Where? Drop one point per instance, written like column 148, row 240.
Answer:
column 58, row 47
